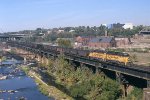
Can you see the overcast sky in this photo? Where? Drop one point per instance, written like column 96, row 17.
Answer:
column 18, row 15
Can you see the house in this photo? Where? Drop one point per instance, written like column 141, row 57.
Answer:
column 122, row 41
column 102, row 42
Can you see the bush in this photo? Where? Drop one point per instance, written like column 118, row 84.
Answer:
column 111, row 89
column 136, row 94
column 82, row 83
column 79, row 90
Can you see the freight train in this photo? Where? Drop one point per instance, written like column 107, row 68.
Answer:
column 99, row 55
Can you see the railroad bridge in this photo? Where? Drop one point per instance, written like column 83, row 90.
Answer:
column 12, row 37
column 133, row 75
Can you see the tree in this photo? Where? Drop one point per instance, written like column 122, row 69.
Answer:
column 64, row 43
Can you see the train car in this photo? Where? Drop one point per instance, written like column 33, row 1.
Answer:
column 73, row 51
column 46, row 47
column 60, row 50
column 83, row 53
column 39, row 46
column 98, row 54
column 66, row 51
column 118, row 57
column 52, row 48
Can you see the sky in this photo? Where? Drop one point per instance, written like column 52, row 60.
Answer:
column 16, row 15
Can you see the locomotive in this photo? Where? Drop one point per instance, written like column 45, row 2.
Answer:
column 112, row 57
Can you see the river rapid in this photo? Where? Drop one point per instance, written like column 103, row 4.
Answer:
column 17, row 85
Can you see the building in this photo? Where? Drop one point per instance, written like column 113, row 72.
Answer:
column 104, row 25
column 128, row 26
column 82, row 41
column 145, row 34
column 71, row 31
column 115, row 25
column 60, row 31
column 118, row 25
column 102, row 42
column 122, row 41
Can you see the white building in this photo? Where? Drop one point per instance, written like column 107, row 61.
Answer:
column 128, row 26
column 71, row 30
column 60, row 31
column 104, row 25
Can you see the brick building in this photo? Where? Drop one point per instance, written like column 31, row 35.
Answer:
column 122, row 41
column 83, row 40
column 102, row 42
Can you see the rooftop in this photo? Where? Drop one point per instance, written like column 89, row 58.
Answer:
column 102, row 39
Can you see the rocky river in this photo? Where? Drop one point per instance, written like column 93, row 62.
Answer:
column 16, row 85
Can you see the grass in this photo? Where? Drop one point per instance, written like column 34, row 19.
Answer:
column 42, row 87
column 142, row 58
column 48, row 90
column 26, row 69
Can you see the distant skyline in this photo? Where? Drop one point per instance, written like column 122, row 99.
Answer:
column 16, row 15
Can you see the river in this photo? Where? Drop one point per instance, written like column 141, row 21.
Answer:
column 18, row 86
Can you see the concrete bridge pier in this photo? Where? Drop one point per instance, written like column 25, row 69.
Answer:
column 98, row 70
column 25, row 60
column 36, row 56
column 146, row 94
column 82, row 65
column 39, row 58
column 125, row 84
column 30, row 55
column 118, row 77
column 71, row 62
column 33, row 56
column 45, row 61
column 42, row 60
column 148, row 83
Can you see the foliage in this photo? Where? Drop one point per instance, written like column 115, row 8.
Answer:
column 110, row 89
column 136, row 94
column 26, row 69
column 83, row 84
column 64, row 43
column 79, row 90
column 116, row 50
column 96, row 88
column 134, row 58
column 62, row 69
column 42, row 88
column 140, row 50
column 51, row 35
column 3, row 58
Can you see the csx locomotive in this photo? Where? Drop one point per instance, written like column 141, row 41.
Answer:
column 99, row 55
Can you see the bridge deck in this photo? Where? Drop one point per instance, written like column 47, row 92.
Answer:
column 135, row 70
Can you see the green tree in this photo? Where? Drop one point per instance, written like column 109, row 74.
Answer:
column 64, row 43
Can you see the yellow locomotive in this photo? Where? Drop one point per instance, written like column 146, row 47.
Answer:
column 98, row 55
column 111, row 56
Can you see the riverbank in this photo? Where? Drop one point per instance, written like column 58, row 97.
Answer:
column 46, row 89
